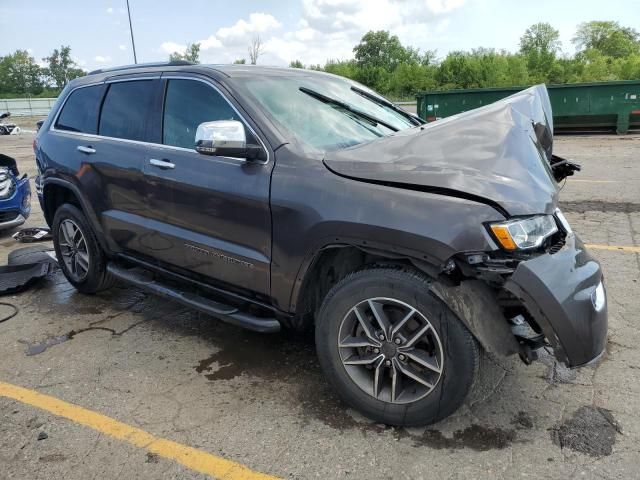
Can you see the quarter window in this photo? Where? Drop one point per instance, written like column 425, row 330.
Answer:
column 126, row 109
column 80, row 111
column 188, row 103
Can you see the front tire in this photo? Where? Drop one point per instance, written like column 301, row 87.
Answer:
column 393, row 350
column 79, row 254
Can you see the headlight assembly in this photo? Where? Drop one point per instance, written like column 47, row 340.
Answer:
column 6, row 183
column 524, row 233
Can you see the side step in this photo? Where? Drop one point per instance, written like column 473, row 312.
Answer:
column 144, row 280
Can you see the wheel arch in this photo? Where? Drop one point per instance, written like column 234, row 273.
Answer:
column 473, row 301
column 331, row 262
column 56, row 192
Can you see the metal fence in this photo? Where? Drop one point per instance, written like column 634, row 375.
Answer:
column 21, row 107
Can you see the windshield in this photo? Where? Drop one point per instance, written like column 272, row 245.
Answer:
column 332, row 117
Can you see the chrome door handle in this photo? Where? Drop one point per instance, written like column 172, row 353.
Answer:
column 87, row 150
column 161, row 164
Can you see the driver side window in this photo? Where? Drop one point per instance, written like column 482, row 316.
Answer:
column 188, row 103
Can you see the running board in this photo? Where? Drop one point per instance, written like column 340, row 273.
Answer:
column 142, row 279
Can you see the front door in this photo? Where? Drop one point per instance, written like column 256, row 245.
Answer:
column 212, row 214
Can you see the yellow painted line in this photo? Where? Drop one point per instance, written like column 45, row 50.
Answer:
column 615, row 248
column 192, row 458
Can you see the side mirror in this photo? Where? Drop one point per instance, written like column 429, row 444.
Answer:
column 226, row 138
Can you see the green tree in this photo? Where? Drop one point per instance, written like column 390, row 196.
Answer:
column 540, row 44
column 346, row 68
column 409, row 78
column 628, row 67
column 19, row 73
column 382, row 50
column 61, row 68
column 239, row 61
column 609, row 38
column 296, row 64
column 191, row 54
column 459, row 70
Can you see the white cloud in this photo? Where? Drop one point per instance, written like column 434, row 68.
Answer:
column 101, row 59
column 329, row 29
column 444, row 6
column 326, row 29
column 110, row 10
column 122, row 47
column 210, row 42
column 172, row 47
column 258, row 23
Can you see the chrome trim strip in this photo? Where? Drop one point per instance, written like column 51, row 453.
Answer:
column 161, row 145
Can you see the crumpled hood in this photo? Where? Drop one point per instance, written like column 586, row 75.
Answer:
column 497, row 154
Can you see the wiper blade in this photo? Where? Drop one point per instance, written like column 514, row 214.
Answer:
column 345, row 106
column 381, row 101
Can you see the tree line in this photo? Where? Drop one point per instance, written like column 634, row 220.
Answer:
column 20, row 75
column 605, row 50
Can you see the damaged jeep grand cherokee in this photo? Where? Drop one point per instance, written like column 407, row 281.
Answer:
column 273, row 197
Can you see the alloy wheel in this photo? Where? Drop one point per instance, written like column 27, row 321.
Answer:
column 73, row 248
column 390, row 350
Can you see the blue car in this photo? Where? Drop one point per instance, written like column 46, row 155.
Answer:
column 15, row 194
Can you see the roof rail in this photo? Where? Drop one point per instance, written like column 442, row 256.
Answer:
column 173, row 63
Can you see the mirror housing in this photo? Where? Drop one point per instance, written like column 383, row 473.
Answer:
column 226, row 138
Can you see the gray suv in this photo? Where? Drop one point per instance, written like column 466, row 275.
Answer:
column 271, row 197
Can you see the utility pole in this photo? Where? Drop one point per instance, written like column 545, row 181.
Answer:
column 133, row 43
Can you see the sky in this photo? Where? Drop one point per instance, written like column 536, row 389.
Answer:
column 312, row 31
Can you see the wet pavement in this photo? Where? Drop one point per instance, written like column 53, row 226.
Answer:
column 260, row 400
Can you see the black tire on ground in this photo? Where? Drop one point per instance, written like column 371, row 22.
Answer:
column 32, row 254
column 460, row 351
column 96, row 278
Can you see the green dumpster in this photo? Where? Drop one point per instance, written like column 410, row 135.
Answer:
column 580, row 107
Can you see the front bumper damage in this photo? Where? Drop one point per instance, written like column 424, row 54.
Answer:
column 564, row 293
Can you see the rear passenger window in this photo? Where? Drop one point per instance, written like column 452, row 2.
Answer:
column 188, row 103
column 80, row 111
column 126, row 109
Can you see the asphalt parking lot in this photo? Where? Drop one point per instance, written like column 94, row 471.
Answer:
column 179, row 394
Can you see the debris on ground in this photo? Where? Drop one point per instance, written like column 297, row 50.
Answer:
column 591, row 430
column 32, row 234
column 25, row 267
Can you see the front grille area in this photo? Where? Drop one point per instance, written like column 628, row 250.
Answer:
column 8, row 215
column 555, row 247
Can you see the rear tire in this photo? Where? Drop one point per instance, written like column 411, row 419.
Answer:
column 79, row 254
column 414, row 378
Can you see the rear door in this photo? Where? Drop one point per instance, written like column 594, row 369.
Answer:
column 125, row 134
column 215, row 216
column 72, row 131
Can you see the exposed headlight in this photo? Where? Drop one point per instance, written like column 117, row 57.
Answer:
column 6, row 183
column 524, row 233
